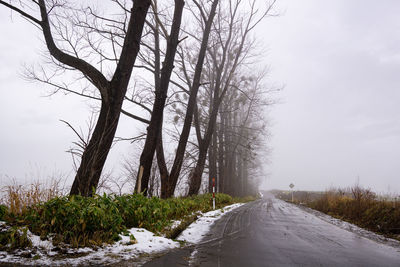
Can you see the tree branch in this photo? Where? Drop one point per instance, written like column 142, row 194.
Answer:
column 95, row 76
column 135, row 117
column 24, row 14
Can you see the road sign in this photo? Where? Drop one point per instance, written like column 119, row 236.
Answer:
column 291, row 187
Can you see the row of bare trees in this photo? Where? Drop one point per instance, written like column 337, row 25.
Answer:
column 196, row 64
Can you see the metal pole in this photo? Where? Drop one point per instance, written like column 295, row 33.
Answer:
column 213, row 181
column 292, row 195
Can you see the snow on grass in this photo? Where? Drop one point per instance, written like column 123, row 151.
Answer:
column 197, row 230
column 36, row 242
column 137, row 242
column 175, row 223
column 42, row 252
column 147, row 242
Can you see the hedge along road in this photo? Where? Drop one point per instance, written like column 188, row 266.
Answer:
column 271, row 232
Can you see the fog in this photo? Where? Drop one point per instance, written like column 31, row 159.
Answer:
column 339, row 117
column 337, row 120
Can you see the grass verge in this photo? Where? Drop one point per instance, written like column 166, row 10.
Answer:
column 92, row 221
column 356, row 205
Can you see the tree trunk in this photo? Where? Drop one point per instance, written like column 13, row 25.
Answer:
column 172, row 178
column 221, row 161
column 195, row 180
column 112, row 93
column 152, row 181
column 245, row 176
column 228, row 158
column 240, row 176
column 235, row 170
column 212, row 162
column 212, row 155
column 234, row 181
column 95, row 154
column 154, row 128
column 162, row 167
column 229, row 175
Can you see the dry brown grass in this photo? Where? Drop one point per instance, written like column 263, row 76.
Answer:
column 18, row 198
column 354, row 204
column 363, row 207
column 299, row 197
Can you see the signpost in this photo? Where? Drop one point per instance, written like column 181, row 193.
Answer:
column 213, row 185
column 291, row 187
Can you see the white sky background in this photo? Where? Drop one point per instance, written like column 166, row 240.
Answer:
column 339, row 116
column 340, row 112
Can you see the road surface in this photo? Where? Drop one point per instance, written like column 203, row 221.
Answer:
column 271, row 232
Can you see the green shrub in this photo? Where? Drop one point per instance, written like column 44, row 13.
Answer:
column 14, row 237
column 223, row 199
column 92, row 221
column 79, row 221
column 139, row 211
column 3, row 212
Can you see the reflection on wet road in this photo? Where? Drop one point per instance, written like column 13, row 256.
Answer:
column 270, row 232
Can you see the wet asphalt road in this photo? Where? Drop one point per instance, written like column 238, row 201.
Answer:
column 270, row 232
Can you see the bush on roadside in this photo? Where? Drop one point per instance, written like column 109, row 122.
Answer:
column 362, row 207
column 92, row 221
column 14, row 237
column 3, row 212
column 76, row 220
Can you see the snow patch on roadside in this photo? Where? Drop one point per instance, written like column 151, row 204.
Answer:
column 36, row 242
column 192, row 257
column 44, row 253
column 352, row 227
column 124, row 249
column 198, row 229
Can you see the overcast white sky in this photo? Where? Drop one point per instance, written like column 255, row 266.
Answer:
column 339, row 116
column 340, row 112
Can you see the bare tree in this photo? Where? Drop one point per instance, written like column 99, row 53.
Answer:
column 230, row 49
column 151, row 58
column 162, row 79
column 245, row 131
column 169, row 179
column 112, row 92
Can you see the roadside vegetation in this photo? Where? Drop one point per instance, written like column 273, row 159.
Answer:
column 78, row 221
column 356, row 205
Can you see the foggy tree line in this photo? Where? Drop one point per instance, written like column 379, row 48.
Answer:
column 185, row 71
